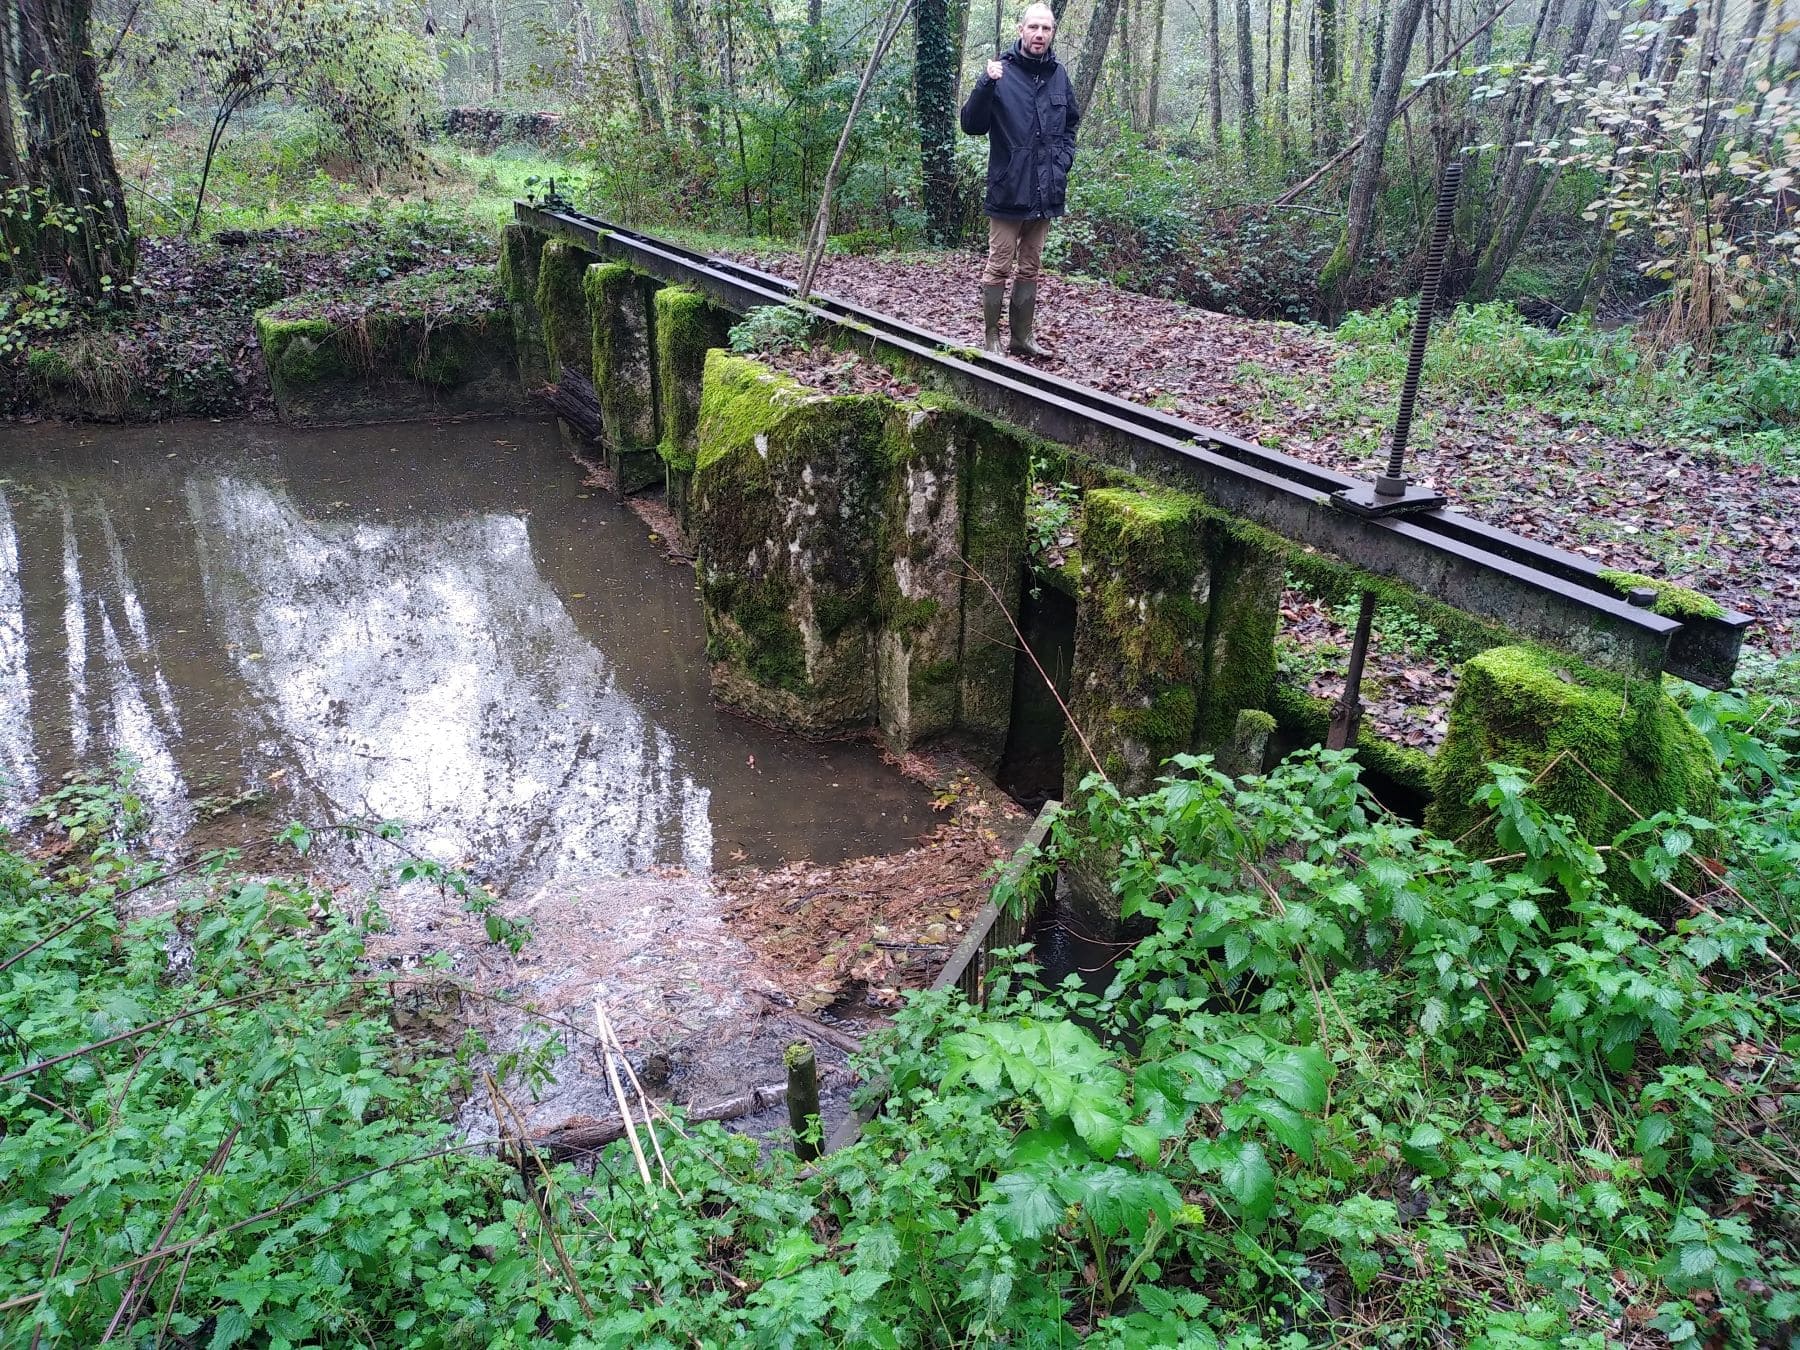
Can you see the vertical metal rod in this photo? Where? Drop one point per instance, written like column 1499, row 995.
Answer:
column 1393, row 482
column 1346, row 715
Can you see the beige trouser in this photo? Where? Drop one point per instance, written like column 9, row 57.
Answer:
column 1008, row 237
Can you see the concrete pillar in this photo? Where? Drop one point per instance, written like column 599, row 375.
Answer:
column 684, row 327
column 562, row 307
column 520, row 251
column 789, row 496
column 1578, row 732
column 618, row 301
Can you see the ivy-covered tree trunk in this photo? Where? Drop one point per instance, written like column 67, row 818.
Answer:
column 934, row 99
column 68, row 153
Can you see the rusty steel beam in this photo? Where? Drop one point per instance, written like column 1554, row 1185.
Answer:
column 1528, row 587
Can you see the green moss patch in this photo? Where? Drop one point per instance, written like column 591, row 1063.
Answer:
column 618, row 300
column 1672, row 601
column 562, row 307
column 1604, row 750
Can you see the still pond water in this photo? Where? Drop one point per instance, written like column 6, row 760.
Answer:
column 433, row 624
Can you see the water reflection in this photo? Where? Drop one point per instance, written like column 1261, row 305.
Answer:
column 435, row 626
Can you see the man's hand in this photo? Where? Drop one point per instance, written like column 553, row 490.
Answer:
column 995, row 70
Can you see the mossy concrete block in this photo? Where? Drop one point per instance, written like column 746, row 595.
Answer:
column 1605, row 751
column 1140, row 632
column 1240, row 635
column 563, row 308
column 388, row 364
column 618, row 299
column 789, row 491
column 994, row 474
column 520, row 250
column 919, row 646
column 684, row 327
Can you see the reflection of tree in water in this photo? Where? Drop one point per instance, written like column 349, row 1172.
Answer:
column 72, row 622
column 426, row 672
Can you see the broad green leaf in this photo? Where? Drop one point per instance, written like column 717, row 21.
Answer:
column 1247, row 1177
column 1298, row 1074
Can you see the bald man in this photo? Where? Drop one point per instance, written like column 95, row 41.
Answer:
column 1024, row 104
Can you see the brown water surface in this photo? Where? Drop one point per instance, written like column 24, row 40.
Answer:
column 436, row 624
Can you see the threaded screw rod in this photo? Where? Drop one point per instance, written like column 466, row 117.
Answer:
column 1393, row 482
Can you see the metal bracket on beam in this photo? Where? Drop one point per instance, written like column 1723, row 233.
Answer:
column 1369, row 500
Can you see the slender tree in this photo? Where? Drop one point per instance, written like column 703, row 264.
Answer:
column 1246, row 87
column 1365, row 179
column 1093, row 51
column 1215, row 79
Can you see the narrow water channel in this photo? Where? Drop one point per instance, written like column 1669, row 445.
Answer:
column 433, row 624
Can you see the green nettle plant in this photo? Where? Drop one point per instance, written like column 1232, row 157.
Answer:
column 1350, row 1086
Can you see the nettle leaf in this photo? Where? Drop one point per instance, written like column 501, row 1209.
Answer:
column 1298, row 1074
column 1293, row 1130
column 973, row 1053
column 1099, row 1118
column 1249, row 1180
column 1026, row 1205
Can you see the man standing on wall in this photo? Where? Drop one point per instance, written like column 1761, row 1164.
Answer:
column 1024, row 104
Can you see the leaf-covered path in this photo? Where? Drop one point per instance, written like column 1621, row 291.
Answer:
column 1723, row 527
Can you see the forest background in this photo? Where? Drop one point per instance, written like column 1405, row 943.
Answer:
column 1357, row 1086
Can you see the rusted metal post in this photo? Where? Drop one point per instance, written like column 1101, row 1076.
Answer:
column 1390, row 489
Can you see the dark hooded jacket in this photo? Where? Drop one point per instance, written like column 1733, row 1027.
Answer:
column 1029, row 117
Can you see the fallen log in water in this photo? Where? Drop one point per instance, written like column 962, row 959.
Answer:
column 573, row 399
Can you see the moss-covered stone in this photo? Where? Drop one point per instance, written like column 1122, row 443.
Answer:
column 994, row 473
column 520, row 250
column 1672, row 601
column 1140, row 631
column 1604, row 750
column 950, row 578
column 618, row 299
column 562, row 307
column 684, row 326
column 1240, row 634
column 422, row 345
column 789, row 494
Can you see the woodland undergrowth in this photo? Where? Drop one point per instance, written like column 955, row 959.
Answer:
column 1352, row 1086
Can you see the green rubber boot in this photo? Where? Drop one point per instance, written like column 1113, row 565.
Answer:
column 1024, row 309
column 990, row 317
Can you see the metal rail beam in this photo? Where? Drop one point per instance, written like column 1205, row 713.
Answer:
column 1528, row 587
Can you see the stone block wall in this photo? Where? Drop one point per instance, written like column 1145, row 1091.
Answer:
column 855, row 556
column 624, row 370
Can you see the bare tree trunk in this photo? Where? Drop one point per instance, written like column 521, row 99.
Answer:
column 1154, row 83
column 496, row 37
column 1247, row 127
column 1287, row 63
column 69, row 152
column 689, row 101
column 1215, row 79
column 12, row 171
column 1746, row 38
column 1093, row 51
column 1128, row 73
column 649, row 104
column 1326, row 117
column 1334, row 282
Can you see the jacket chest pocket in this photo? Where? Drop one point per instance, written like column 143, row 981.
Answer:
column 1055, row 112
